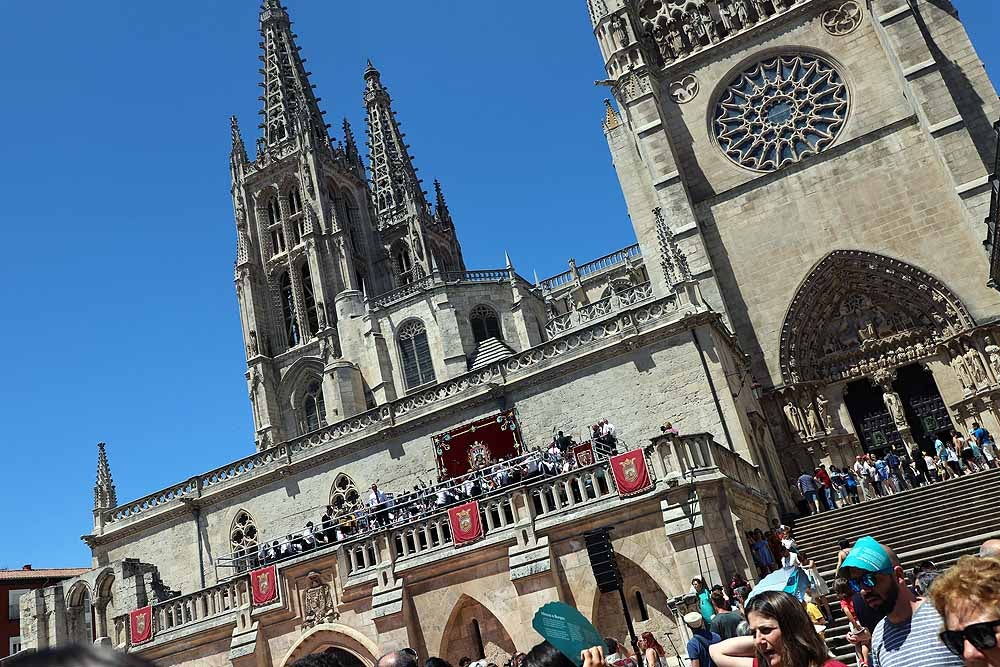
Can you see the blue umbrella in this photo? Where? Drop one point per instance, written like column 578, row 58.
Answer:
column 793, row 580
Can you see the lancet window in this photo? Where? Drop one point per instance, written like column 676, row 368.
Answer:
column 288, row 310
column 309, row 300
column 418, row 369
column 314, row 407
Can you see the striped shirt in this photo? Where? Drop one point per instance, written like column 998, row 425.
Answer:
column 912, row 643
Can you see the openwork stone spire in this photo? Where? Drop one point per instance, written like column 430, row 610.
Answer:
column 672, row 258
column 396, row 190
column 441, row 211
column 105, row 495
column 239, row 151
column 288, row 99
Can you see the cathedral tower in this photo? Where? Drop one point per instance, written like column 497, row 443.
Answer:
column 823, row 166
column 305, row 234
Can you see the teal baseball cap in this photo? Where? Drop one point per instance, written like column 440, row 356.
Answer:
column 868, row 555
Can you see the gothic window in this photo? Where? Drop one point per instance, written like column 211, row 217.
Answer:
column 243, row 537
column 309, row 300
column 294, row 201
column 273, row 211
column 344, row 495
column 485, row 323
column 314, row 408
column 278, row 239
column 781, row 110
column 418, row 368
column 288, row 310
column 403, row 261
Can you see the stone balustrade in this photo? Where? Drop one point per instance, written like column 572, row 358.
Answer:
column 571, row 490
column 644, row 312
column 421, row 284
column 698, row 455
column 596, row 266
column 591, row 312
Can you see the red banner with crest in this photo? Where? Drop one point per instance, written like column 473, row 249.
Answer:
column 478, row 444
column 465, row 524
column 264, row 585
column 140, row 626
column 584, row 454
column 631, row 473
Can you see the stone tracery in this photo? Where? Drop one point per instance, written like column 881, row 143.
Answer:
column 858, row 312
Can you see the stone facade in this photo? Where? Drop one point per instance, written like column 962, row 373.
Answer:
column 820, row 245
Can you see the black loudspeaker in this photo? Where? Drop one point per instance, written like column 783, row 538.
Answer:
column 602, row 559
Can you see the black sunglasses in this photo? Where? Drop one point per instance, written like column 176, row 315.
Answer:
column 981, row 635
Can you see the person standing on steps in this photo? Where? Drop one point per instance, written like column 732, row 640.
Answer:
column 808, row 486
column 908, row 635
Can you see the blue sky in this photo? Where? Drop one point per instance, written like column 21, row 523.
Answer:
column 120, row 316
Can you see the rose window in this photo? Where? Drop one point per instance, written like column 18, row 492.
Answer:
column 779, row 111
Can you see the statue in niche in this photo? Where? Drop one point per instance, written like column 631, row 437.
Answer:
column 321, row 314
column 794, row 416
column 867, row 332
column 812, row 420
column 690, row 32
column 762, row 8
column 895, row 406
column 621, row 30
column 254, row 346
column 662, row 40
column 976, row 368
column 782, row 5
column 993, row 352
column 824, row 411
column 708, row 24
column 740, row 9
column 317, row 603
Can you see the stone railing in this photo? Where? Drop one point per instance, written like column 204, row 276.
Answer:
column 571, row 490
column 437, row 278
column 699, row 454
column 601, row 263
column 598, row 309
column 509, row 370
column 181, row 612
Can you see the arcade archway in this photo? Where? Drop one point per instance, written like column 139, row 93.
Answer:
column 351, row 646
column 473, row 631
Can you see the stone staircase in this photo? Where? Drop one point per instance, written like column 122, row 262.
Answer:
column 940, row 522
column 489, row 351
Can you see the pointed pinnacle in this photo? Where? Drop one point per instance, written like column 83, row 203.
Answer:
column 506, row 256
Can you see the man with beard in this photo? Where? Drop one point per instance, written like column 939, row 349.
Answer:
column 908, row 635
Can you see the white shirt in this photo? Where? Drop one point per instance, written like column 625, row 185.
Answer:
column 608, row 429
column 376, row 497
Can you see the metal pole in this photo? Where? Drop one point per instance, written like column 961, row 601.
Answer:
column 631, row 628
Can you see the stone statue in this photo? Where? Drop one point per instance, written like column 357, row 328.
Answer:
column 762, row 8
column 317, row 603
column 993, row 352
column 976, row 368
column 690, row 32
column 824, row 411
column 794, row 416
column 254, row 346
column 962, row 372
column 812, row 420
column 621, row 28
column 708, row 24
column 662, row 39
column 726, row 14
column 321, row 314
column 741, row 10
column 895, row 405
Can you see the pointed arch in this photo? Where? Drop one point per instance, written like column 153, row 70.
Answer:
column 857, row 308
column 243, row 537
column 473, row 630
column 301, row 396
column 485, row 323
column 647, row 602
column 327, row 636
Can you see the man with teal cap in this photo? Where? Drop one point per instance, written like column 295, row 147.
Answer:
column 908, row 635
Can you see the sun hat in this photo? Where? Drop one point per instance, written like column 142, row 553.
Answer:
column 868, row 555
column 694, row 619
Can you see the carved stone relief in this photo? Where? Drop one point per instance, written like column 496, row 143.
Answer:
column 685, row 89
column 318, row 605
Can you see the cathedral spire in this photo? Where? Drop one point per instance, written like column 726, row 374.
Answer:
column 351, row 153
column 441, row 211
column 396, row 190
column 239, row 151
column 105, row 495
column 288, row 100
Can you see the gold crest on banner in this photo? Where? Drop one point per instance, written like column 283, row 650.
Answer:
column 629, row 470
column 465, row 520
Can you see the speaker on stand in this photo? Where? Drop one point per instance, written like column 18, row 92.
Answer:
column 603, row 562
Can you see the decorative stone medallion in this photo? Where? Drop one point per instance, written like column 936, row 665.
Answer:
column 684, row 90
column 843, row 20
column 781, row 110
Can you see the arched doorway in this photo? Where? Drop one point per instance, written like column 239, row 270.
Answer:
column 646, row 602
column 473, row 631
column 352, row 647
column 924, row 412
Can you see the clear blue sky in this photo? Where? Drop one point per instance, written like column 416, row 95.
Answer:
column 120, row 319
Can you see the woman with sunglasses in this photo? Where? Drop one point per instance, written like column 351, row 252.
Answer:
column 968, row 597
column 783, row 636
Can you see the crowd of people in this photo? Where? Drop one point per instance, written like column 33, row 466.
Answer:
column 385, row 510
column 875, row 476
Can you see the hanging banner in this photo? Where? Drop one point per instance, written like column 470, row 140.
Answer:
column 478, row 445
column 584, row 454
column 140, row 626
column 631, row 474
column 465, row 524
column 264, row 585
